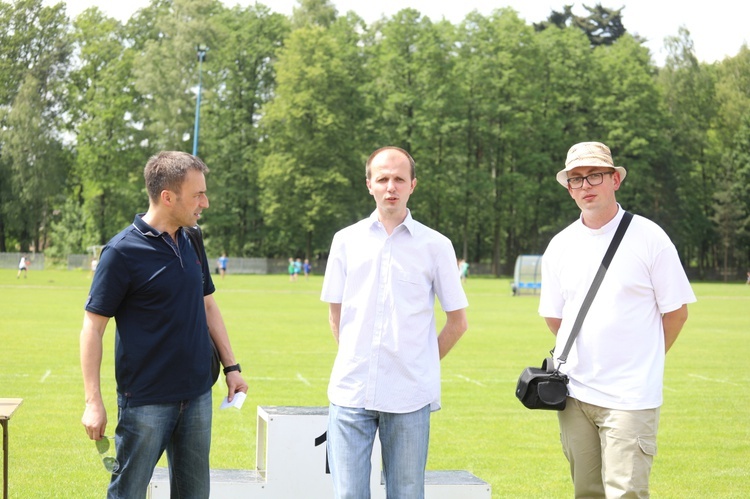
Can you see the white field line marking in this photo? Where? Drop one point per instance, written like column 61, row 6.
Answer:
column 46, row 375
column 469, row 380
column 704, row 378
column 302, row 379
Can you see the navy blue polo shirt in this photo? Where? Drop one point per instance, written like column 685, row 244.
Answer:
column 154, row 289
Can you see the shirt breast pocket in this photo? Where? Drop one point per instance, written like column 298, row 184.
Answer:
column 412, row 288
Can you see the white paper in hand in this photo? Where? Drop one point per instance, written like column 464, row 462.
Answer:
column 237, row 401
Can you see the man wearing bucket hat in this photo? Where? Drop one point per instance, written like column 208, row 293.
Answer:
column 616, row 366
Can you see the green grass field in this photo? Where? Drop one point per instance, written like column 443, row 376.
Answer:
column 280, row 335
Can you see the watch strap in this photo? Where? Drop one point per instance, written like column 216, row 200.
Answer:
column 235, row 367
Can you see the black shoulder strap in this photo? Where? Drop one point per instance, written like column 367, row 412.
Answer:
column 598, row 278
column 196, row 237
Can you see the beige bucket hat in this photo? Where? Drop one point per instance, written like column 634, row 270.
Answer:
column 588, row 154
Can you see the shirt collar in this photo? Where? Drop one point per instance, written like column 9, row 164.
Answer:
column 145, row 228
column 608, row 227
column 408, row 222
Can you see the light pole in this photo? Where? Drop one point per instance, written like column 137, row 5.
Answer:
column 201, row 50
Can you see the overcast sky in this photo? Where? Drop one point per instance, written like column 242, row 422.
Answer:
column 718, row 28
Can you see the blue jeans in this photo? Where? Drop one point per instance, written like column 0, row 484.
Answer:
column 143, row 433
column 404, row 439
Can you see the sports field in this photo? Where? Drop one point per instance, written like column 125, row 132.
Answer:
column 280, row 335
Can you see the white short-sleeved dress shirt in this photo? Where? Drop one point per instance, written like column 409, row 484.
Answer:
column 388, row 357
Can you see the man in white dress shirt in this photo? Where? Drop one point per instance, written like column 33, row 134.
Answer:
column 381, row 279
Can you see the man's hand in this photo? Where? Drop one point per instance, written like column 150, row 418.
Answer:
column 235, row 383
column 95, row 419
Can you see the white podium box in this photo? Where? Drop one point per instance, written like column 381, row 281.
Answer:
column 291, row 463
column 291, row 452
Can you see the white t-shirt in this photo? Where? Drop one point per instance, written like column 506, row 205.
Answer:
column 617, row 360
column 388, row 358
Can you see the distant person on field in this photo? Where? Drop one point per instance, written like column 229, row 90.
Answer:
column 381, row 280
column 223, row 260
column 463, row 269
column 158, row 287
column 616, row 365
column 292, row 270
column 23, row 266
column 306, row 268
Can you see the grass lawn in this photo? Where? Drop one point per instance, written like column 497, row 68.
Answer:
column 280, row 334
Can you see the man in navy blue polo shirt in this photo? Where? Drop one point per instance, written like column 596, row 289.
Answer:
column 158, row 288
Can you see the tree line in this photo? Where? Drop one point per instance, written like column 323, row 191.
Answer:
column 293, row 105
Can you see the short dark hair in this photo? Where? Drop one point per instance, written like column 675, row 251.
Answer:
column 167, row 170
column 394, row 148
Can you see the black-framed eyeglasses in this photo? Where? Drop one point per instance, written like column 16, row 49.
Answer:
column 592, row 178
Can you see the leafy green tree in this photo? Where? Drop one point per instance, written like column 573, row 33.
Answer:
column 413, row 92
column 731, row 207
column 494, row 55
column 34, row 48
column 478, row 62
column 38, row 166
column 165, row 72
column 314, row 13
column 732, row 95
column 628, row 117
column 291, row 107
column 561, row 101
column 602, row 26
column 67, row 232
column 34, row 42
column 102, row 99
column 311, row 176
column 732, row 132
column 243, row 76
column 687, row 91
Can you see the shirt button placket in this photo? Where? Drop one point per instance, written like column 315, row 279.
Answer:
column 377, row 334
